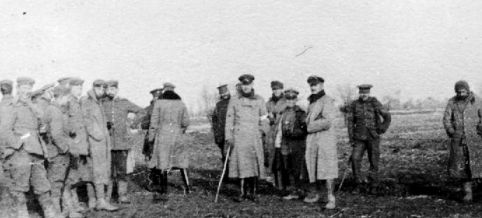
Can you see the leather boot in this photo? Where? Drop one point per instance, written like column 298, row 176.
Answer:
column 185, row 179
column 242, row 192
column 108, row 194
column 47, row 206
column 20, row 204
column 102, row 204
column 122, row 190
column 75, row 201
column 468, row 192
column 91, row 195
column 331, row 197
column 252, row 189
column 67, row 200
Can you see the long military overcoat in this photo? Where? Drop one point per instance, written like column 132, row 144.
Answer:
column 243, row 124
column 459, row 123
column 169, row 121
column 321, row 153
column 99, row 140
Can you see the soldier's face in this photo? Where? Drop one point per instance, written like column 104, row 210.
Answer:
column 225, row 95
column 112, row 91
column 76, row 90
column 291, row 102
column 99, row 91
column 24, row 91
column 247, row 88
column 316, row 88
column 277, row 92
column 462, row 93
column 364, row 96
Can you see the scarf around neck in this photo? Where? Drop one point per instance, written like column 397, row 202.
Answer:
column 315, row 97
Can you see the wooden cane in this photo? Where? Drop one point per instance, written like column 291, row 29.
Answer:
column 345, row 174
column 222, row 174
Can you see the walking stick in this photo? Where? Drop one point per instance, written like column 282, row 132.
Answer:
column 344, row 174
column 222, row 174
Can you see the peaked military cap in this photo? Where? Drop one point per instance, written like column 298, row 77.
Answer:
column 60, row 91
column 169, row 85
column 154, row 91
column 25, row 81
column 76, row 82
column 462, row 84
column 277, row 85
column 6, row 82
column 64, row 80
column 98, row 83
column 246, row 79
column 223, row 88
column 42, row 90
column 365, row 88
column 315, row 80
column 291, row 93
column 112, row 83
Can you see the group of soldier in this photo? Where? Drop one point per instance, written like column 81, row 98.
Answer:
column 295, row 149
column 54, row 140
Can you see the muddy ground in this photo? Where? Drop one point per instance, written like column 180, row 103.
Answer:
column 413, row 171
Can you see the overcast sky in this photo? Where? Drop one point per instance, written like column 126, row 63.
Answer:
column 417, row 46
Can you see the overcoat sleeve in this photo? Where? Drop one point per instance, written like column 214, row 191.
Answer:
column 385, row 114
column 155, row 122
column 6, row 128
column 350, row 118
column 61, row 140
column 91, row 125
column 324, row 120
column 185, row 117
column 447, row 120
column 229, row 128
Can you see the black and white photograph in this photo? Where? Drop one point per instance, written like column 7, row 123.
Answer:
column 246, row 108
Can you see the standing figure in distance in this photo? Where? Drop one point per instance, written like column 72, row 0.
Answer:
column 219, row 120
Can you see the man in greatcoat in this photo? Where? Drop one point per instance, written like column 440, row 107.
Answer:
column 275, row 105
column 321, row 152
column 246, row 112
column 99, row 142
column 6, row 88
column 367, row 120
column 463, row 123
column 218, row 118
column 169, row 122
column 116, row 110
column 25, row 153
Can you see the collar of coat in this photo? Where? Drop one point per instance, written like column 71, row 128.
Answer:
column 170, row 95
column 314, row 97
column 250, row 95
column 276, row 99
column 91, row 95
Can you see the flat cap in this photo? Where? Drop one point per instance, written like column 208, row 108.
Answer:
column 223, row 89
column 246, row 79
column 169, row 85
column 6, row 82
column 156, row 91
column 76, row 82
column 315, row 80
column 277, row 85
column 291, row 93
column 64, row 80
column 364, row 88
column 112, row 83
column 98, row 83
column 25, row 81
column 60, row 91
column 42, row 90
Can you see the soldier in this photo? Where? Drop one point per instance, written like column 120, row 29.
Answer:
column 245, row 114
column 116, row 110
column 168, row 87
column 321, row 152
column 169, row 122
column 80, row 170
column 25, row 153
column 6, row 87
column 463, row 123
column 58, row 143
column 275, row 105
column 290, row 143
column 99, row 140
column 365, row 126
column 65, row 82
column 219, row 118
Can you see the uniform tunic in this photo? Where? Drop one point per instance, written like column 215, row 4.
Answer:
column 243, row 122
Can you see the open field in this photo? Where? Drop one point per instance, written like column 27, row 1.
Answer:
column 413, row 172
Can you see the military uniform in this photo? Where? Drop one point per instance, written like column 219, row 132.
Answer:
column 7, row 99
column 367, row 120
column 116, row 110
column 218, row 120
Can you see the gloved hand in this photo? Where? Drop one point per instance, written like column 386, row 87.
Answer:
column 72, row 134
column 109, row 125
column 229, row 144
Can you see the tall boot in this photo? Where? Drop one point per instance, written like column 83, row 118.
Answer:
column 331, row 197
column 160, row 193
column 91, row 195
column 253, row 183
column 468, row 192
column 68, row 205
column 165, row 184
column 47, row 206
column 155, row 177
column 122, row 190
column 185, row 179
column 75, row 201
column 108, row 194
column 20, row 204
column 242, row 191
column 102, row 204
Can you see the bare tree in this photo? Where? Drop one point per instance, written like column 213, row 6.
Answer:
column 207, row 102
column 346, row 93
